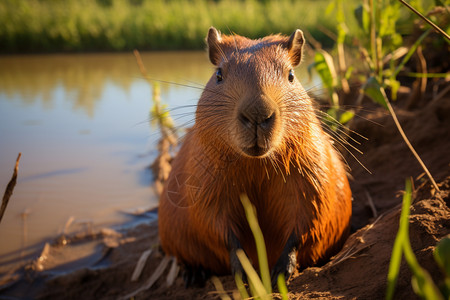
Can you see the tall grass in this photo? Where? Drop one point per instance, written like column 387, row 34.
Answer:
column 89, row 25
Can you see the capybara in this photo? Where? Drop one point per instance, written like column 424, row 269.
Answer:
column 256, row 133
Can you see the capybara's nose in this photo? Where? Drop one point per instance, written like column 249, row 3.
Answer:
column 259, row 113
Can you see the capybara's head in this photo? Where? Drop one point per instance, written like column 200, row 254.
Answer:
column 253, row 100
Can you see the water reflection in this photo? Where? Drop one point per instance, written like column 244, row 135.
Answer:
column 84, row 76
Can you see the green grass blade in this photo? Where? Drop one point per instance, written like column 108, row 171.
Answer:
column 411, row 52
column 282, row 288
column 442, row 255
column 241, row 287
column 422, row 283
column 400, row 239
column 372, row 88
column 253, row 278
column 219, row 287
column 323, row 64
column 394, row 267
column 260, row 244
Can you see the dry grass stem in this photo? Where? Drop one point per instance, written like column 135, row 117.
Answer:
column 155, row 276
column 426, row 20
column 405, row 138
column 371, row 204
column 140, row 265
column 10, row 188
column 173, row 272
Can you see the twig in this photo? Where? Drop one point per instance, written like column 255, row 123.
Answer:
column 155, row 276
column 426, row 19
column 441, row 94
column 341, row 256
column 140, row 265
column 371, row 204
column 10, row 188
column 219, row 287
column 405, row 138
column 173, row 272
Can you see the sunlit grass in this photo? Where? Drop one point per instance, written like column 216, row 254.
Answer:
column 76, row 25
column 421, row 280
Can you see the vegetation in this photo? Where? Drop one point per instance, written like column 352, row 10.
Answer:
column 378, row 36
column 421, row 280
column 260, row 286
column 117, row 25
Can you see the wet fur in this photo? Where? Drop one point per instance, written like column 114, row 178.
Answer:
column 299, row 187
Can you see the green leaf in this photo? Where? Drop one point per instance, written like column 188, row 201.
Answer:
column 253, row 278
column 395, row 86
column 373, row 90
column 346, row 116
column 400, row 239
column 411, row 52
column 348, row 73
column 241, row 287
column 324, row 66
column 282, row 288
column 259, row 241
column 330, row 8
column 362, row 16
column 442, row 255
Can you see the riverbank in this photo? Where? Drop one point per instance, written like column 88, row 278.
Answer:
column 358, row 272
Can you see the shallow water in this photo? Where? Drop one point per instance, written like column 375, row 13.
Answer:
column 82, row 125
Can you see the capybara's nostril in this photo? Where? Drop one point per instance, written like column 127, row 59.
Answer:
column 268, row 122
column 246, row 121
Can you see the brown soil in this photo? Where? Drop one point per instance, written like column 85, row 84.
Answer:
column 359, row 271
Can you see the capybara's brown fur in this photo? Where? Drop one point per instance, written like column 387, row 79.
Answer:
column 256, row 133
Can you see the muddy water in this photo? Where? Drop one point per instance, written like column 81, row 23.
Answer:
column 81, row 123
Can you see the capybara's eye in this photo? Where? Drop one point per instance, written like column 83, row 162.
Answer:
column 291, row 75
column 219, row 75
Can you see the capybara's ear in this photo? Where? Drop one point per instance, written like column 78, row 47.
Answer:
column 214, row 40
column 295, row 47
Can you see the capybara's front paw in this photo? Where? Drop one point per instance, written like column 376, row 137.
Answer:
column 195, row 276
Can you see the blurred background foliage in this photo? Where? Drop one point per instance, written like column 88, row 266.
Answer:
column 122, row 25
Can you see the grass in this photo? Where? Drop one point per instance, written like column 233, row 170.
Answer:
column 422, row 283
column 260, row 285
column 119, row 25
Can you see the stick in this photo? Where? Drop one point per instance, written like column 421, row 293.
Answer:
column 411, row 148
column 10, row 188
column 437, row 28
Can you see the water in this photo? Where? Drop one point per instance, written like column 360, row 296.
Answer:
column 81, row 123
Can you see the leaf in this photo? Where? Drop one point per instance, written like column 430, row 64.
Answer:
column 400, row 239
column 362, row 16
column 442, row 255
column 411, row 52
column 346, row 116
column 373, row 90
column 253, row 278
column 241, row 287
column 330, row 8
column 282, row 288
column 395, row 86
column 348, row 73
column 324, row 66
column 259, row 241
